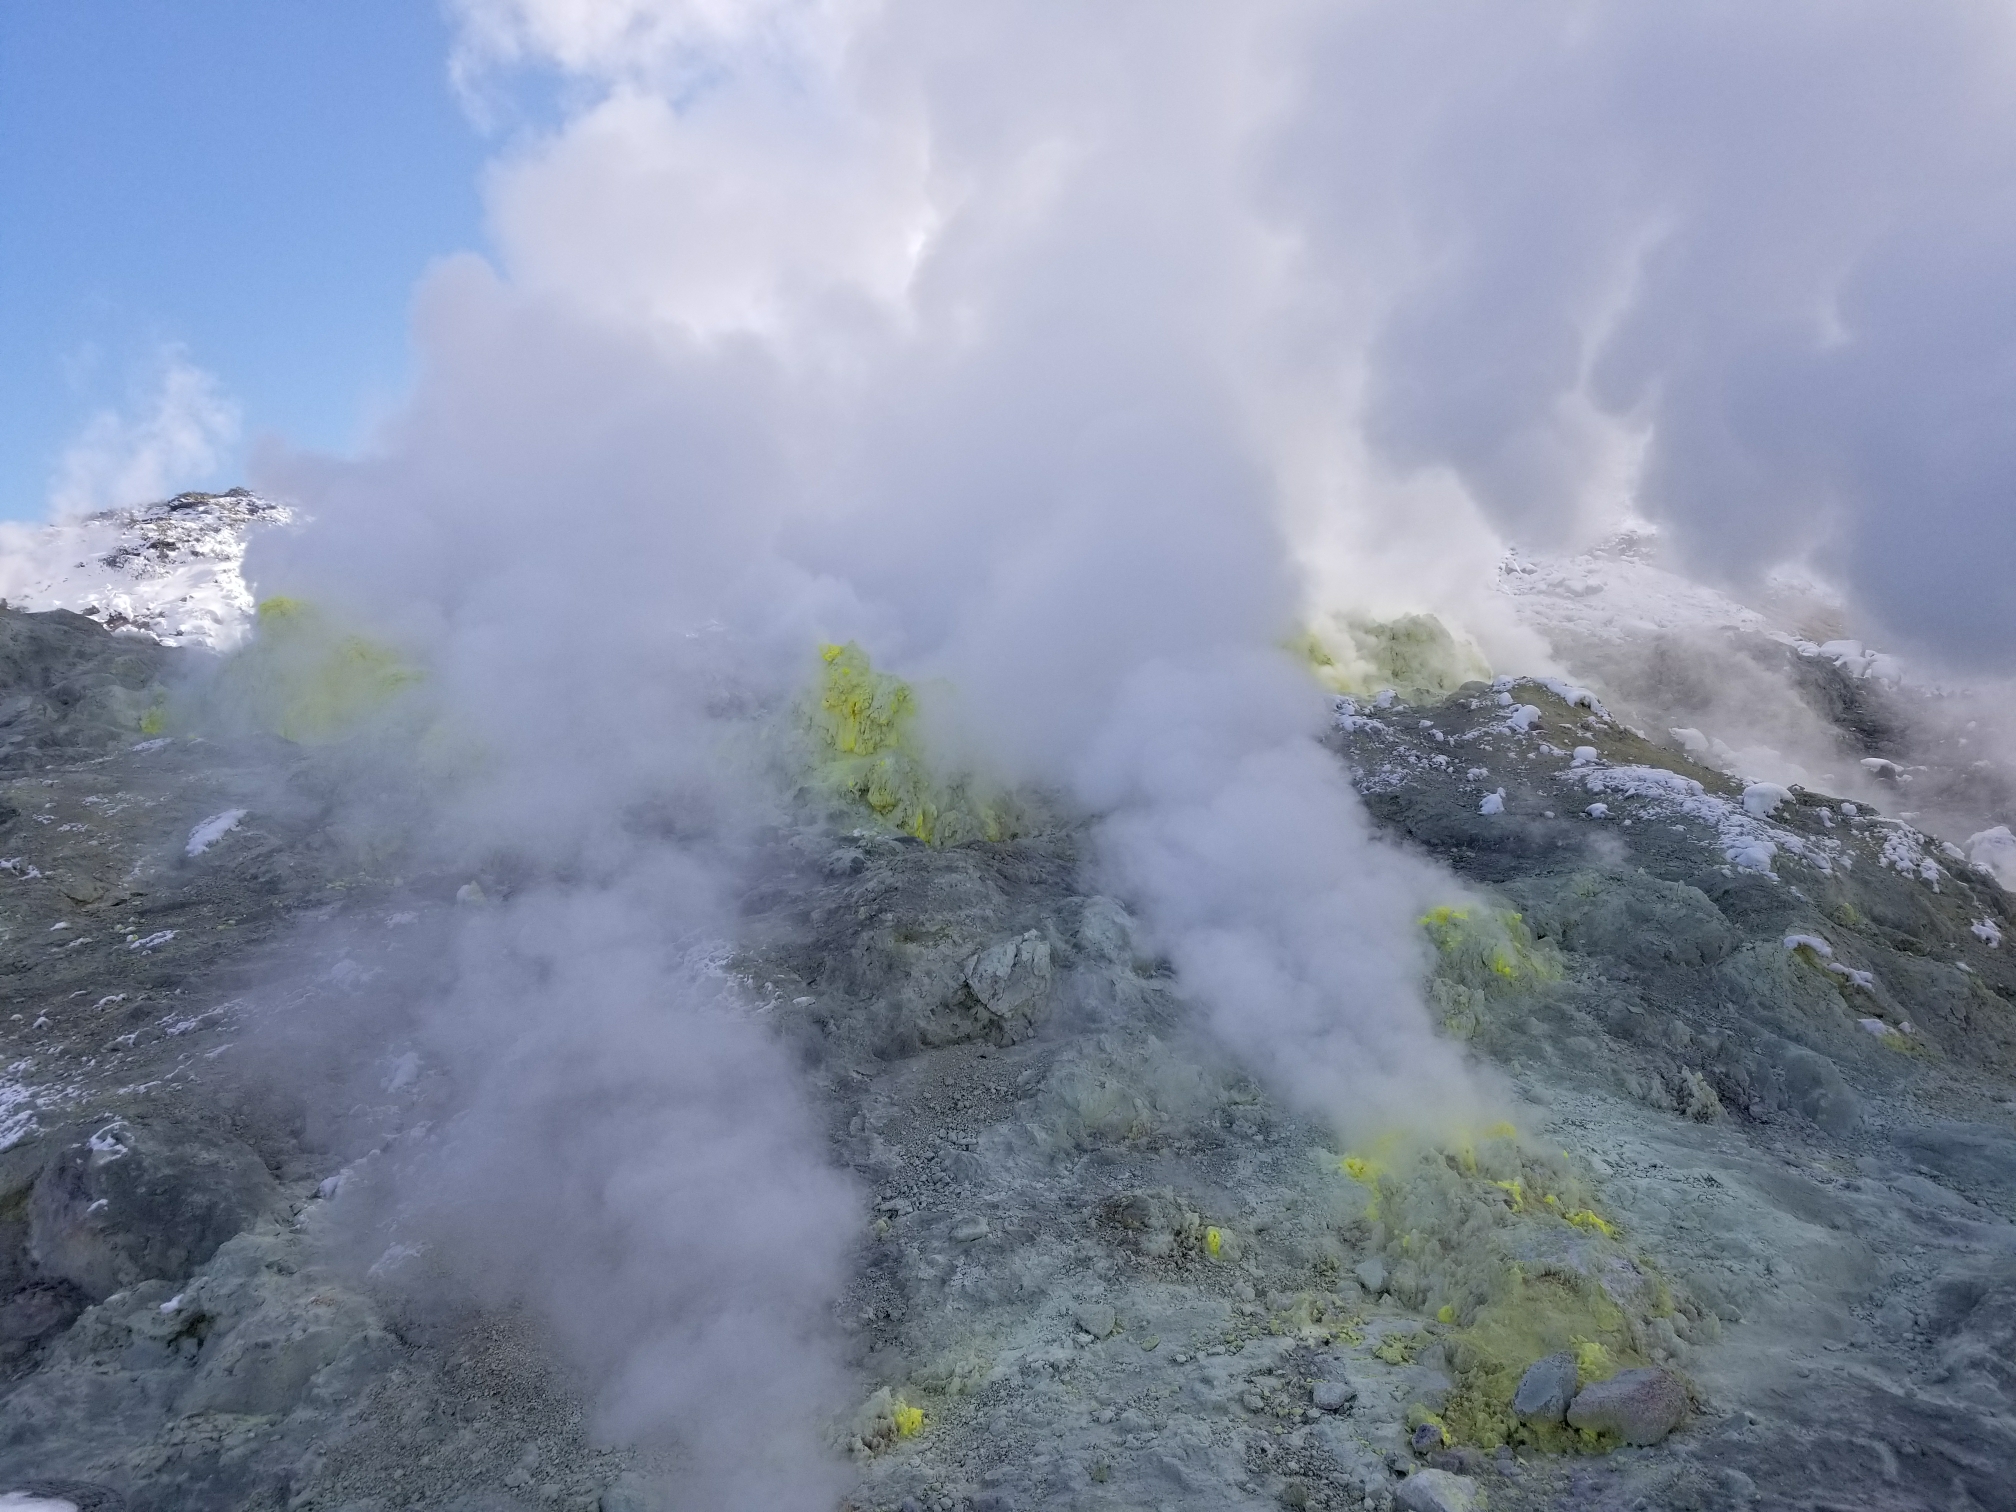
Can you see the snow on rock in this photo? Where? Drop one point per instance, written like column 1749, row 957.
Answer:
column 1823, row 954
column 1748, row 840
column 211, row 830
column 1574, row 696
column 1994, row 852
column 1988, row 932
column 171, row 570
column 1494, row 803
column 1761, row 799
column 1614, row 592
column 1904, row 849
column 1852, row 657
column 17, row 1108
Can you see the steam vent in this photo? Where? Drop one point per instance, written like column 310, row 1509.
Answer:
column 1720, row 1215
column 1008, row 756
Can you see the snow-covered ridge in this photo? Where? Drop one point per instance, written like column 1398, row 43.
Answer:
column 1615, row 592
column 171, row 570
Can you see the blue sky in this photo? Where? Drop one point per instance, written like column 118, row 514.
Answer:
column 255, row 185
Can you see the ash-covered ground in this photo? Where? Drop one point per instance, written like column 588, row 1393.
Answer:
column 1763, row 1169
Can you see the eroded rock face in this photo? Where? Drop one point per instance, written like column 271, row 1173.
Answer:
column 69, row 687
column 1106, row 1267
column 1003, row 995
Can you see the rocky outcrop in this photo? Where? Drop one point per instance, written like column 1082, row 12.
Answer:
column 1098, row 1265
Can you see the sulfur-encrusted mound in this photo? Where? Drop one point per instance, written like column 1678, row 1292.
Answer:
column 866, row 750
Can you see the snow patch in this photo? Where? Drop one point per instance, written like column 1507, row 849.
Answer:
column 211, row 830
column 1824, row 958
column 1494, row 803
column 1761, row 799
column 17, row 1113
column 1748, row 841
column 1573, row 696
column 1904, row 849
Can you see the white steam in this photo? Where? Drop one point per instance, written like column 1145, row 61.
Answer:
column 1066, row 354
column 1284, row 917
column 180, row 429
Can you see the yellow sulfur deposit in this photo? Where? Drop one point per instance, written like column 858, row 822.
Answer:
column 1487, row 943
column 1214, row 1241
column 1592, row 1362
column 1483, row 956
column 1413, row 654
column 862, row 728
column 909, row 1420
column 1499, row 1244
column 303, row 678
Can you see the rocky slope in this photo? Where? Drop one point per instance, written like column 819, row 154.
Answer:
column 1762, row 1172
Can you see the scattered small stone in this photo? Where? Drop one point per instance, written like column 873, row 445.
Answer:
column 1546, row 1390
column 1639, row 1406
column 1437, row 1491
column 1332, row 1396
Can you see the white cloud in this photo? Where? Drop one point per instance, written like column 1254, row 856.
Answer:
column 175, row 434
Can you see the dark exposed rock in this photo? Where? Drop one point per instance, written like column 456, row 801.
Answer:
column 69, row 687
column 126, row 1202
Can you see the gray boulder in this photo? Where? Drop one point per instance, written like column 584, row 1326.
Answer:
column 126, row 1201
column 1546, row 1389
column 1638, row 1406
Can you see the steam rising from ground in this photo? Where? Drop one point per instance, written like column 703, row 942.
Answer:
column 1068, row 354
